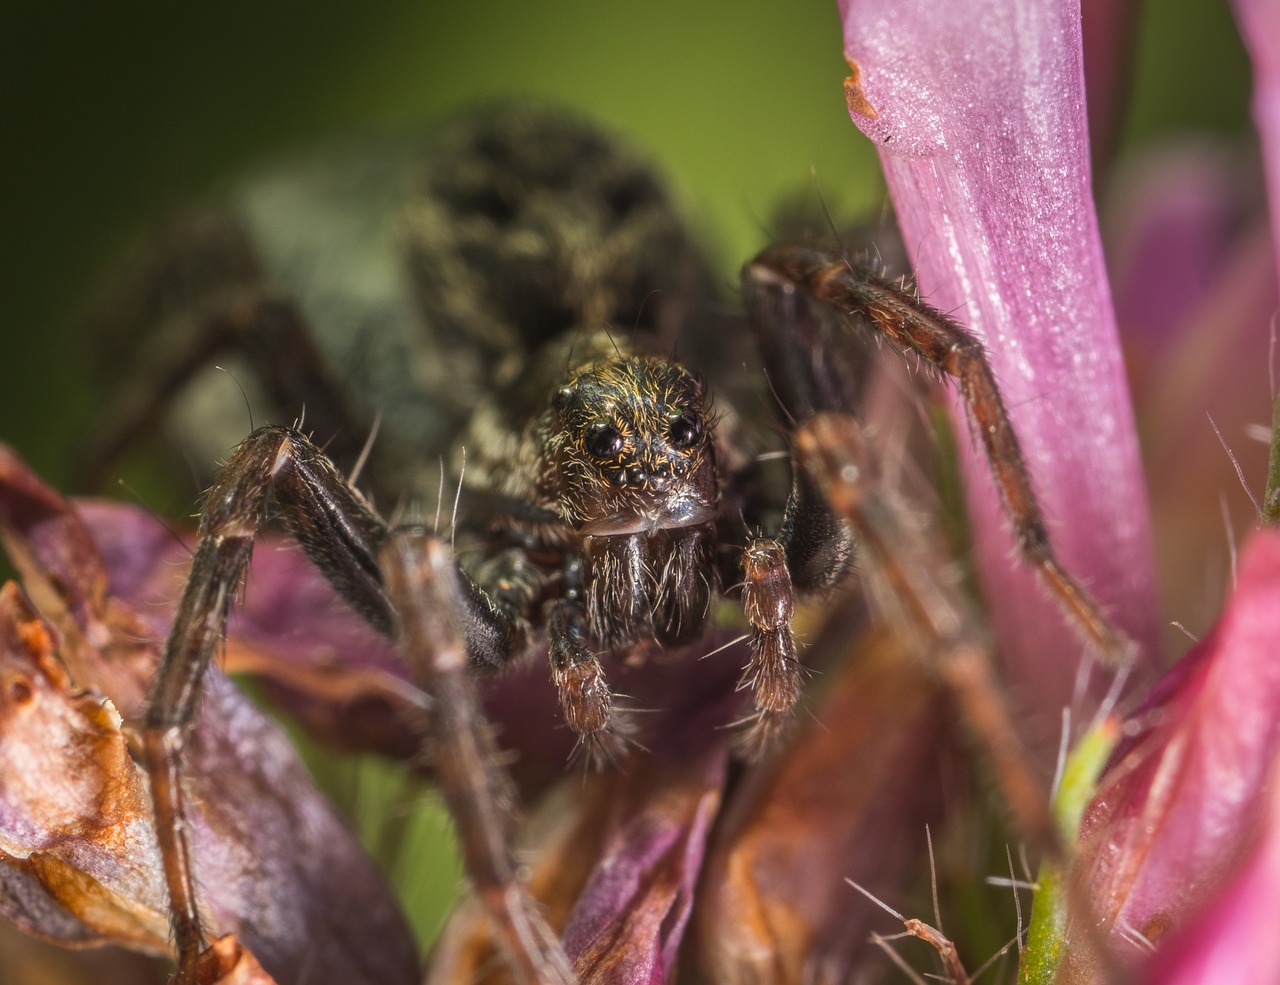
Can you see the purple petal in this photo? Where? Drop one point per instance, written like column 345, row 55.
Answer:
column 1179, row 809
column 981, row 131
column 628, row 922
column 1260, row 26
column 1176, row 219
column 274, row 862
column 614, row 861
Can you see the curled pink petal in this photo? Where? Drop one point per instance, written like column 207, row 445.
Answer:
column 1180, row 808
column 980, row 123
column 629, row 921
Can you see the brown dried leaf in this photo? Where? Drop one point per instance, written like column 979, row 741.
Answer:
column 226, row 962
column 848, row 799
column 275, row 864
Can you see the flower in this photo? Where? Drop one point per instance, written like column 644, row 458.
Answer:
column 978, row 113
column 979, row 119
column 682, row 859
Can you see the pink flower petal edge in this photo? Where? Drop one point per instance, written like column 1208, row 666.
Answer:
column 979, row 118
column 1189, row 800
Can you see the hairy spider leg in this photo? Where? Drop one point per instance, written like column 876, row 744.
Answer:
column 345, row 539
column 423, row 582
column 924, row 604
column 867, row 300
column 773, row 673
column 813, row 548
column 270, row 333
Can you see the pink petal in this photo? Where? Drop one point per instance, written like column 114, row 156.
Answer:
column 1180, row 807
column 614, row 857
column 629, row 921
column 1260, row 26
column 1235, row 939
column 1175, row 219
column 981, row 131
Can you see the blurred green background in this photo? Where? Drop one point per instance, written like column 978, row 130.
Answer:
column 115, row 113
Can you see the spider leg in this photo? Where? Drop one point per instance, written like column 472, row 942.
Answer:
column 923, row 603
column 866, row 299
column 773, row 673
column 586, row 702
column 269, row 332
column 345, row 539
column 514, row 589
column 423, row 582
column 814, row 546
column 338, row 531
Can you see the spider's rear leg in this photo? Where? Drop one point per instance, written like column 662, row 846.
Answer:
column 863, row 299
column 268, row 332
column 423, row 582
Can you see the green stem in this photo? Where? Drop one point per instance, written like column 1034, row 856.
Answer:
column 1271, row 499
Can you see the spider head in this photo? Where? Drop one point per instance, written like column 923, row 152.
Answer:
column 633, row 448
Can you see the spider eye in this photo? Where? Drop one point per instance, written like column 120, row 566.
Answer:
column 684, row 428
column 603, row 441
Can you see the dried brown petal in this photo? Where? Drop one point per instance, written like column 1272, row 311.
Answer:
column 275, row 864
column 79, row 850
column 227, row 963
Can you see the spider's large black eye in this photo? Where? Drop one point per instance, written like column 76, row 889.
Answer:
column 603, row 441
column 684, row 428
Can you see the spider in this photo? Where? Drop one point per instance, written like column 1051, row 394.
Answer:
column 606, row 502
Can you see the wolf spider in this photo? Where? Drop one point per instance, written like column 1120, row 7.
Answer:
column 605, row 509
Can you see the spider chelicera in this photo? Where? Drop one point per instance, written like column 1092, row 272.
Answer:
column 604, row 511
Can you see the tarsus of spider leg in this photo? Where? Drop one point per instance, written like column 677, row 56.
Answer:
column 422, row 580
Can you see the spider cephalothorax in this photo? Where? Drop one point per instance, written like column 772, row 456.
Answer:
column 628, row 464
column 628, row 449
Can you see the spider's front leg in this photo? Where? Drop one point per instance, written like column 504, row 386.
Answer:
column 424, row 585
column 345, row 539
column 780, row 286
